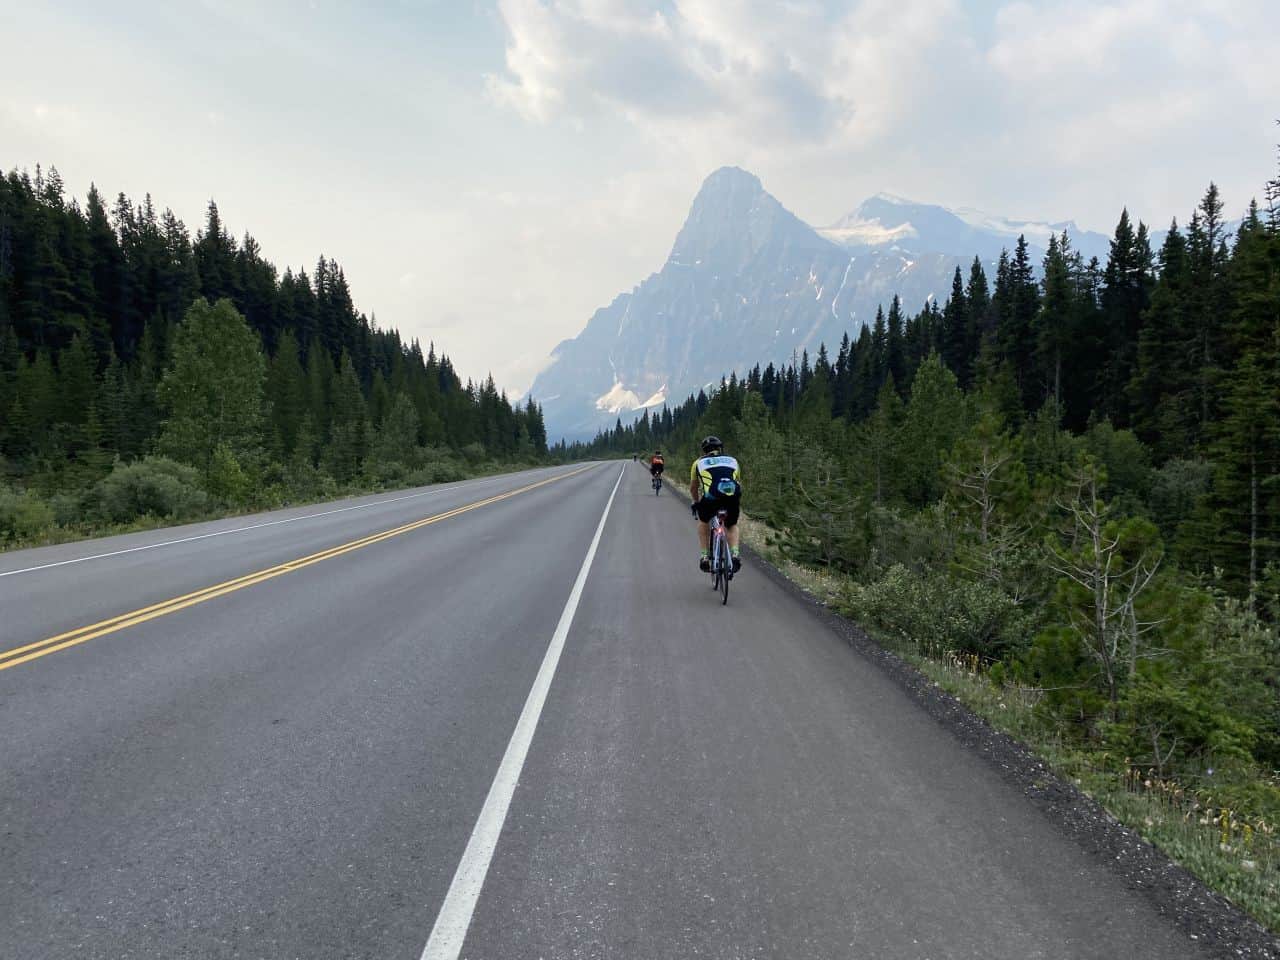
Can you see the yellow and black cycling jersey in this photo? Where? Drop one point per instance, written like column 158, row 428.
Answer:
column 717, row 477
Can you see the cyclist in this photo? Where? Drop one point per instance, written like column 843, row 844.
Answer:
column 656, row 464
column 715, row 484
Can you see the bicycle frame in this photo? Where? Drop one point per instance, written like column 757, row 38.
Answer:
column 721, row 561
column 718, row 537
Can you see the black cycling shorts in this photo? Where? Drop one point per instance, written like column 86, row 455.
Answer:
column 708, row 506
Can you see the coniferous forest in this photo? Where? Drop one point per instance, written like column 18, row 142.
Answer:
column 147, row 373
column 1067, row 477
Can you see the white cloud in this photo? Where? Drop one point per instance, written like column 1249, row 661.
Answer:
column 1141, row 93
column 904, row 94
column 716, row 76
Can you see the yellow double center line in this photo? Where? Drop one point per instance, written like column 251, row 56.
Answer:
column 42, row 648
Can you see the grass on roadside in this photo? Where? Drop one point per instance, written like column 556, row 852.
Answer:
column 56, row 530
column 1235, row 857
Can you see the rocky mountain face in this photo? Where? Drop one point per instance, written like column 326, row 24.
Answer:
column 747, row 281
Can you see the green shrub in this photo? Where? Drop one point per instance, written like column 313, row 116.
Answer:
column 156, row 486
column 388, row 473
column 227, row 480
column 23, row 516
column 938, row 612
column 439, row 466
column 919, row 541
column 68, row 508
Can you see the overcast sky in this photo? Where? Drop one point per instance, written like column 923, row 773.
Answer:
column 489, row 173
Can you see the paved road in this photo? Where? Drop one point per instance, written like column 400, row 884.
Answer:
column 292, row 766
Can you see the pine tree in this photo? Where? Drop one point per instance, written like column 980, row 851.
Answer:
column 286, row 392
column 879, row 353
column 877, row 458
column 215, row 253
column 77, row 385
column 935, row 417
column 111, row 279
column 212, row 394
column 10, row 357
column 35, row 408
column 1246, row 448
column 955, row 336
column 1058, row 324
column 1161, row 392
column 982, row 321
column 1016, row 335
column 397, row 437
column 1126, row 295
column 349, row 425
column 895, row 345
column 112, row 409
column 1208, row 303
column 1253, row 276
column 319, row 388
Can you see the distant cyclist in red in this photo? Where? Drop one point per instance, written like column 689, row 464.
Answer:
column 657, row 464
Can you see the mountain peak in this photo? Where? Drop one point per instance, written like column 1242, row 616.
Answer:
column 730, row 175
column 727, row 191
column 731, row 219
column 895, row 199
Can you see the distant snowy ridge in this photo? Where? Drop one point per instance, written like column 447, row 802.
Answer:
column 886, row 220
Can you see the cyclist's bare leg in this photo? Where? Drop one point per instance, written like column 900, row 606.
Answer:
column 704, row 536
column 732, row 533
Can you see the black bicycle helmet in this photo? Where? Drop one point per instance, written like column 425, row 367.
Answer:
column 711, row 443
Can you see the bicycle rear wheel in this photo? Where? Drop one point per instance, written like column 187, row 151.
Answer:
column 726, row 571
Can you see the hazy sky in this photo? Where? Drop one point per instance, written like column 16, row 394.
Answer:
column 489, row 173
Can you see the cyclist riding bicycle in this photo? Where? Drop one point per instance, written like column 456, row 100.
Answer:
column 657, row 464
column 715, row 484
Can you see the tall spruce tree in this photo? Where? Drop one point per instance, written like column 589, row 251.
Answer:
column 212, row 393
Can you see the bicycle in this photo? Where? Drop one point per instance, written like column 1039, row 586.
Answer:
column 721, row 558
column 657, row 484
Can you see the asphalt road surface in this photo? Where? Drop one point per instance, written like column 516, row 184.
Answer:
column 520, row 725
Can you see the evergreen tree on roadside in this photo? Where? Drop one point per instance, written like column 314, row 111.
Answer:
column 212, row 393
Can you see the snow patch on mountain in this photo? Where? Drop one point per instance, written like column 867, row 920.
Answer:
column 618, row 398
column 658, row 399
column 851, row 230
column 1004, row 227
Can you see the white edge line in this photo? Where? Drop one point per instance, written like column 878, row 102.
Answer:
column 450, row 929
column 253, row 526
